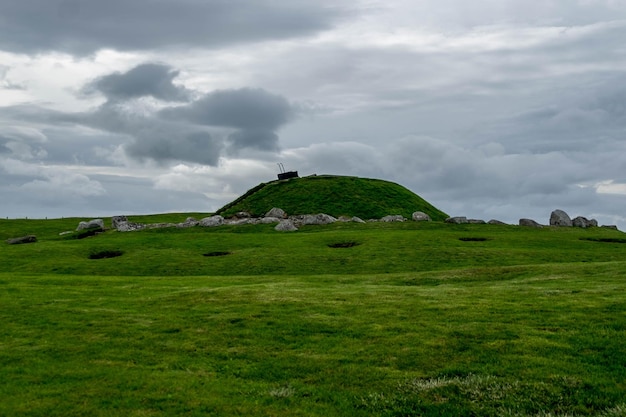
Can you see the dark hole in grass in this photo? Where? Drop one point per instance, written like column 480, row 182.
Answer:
column 343, row 245
column 473, row 239
column 106, row 254
column 216, row 254
column 172, row 330
column 84, row 233
column 604, row 239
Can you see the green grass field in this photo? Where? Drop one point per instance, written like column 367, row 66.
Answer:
column 413, row 319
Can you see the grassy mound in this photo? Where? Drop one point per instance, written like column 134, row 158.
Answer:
column 337, row 196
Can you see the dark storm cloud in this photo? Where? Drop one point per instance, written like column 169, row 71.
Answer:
column 246, row 108
column 155, row 80
column 84, row 26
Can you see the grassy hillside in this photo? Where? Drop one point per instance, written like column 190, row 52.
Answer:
column 414, row 319
column 337, row 196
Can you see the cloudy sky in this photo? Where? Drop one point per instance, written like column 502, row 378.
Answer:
column 488, row 109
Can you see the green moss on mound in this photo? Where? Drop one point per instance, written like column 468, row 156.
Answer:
column 334, row 195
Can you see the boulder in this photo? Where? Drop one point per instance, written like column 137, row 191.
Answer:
column 116, row 220
column 286, row 226
column 357, row 220
column 22, row 239
column 457, row 220
column 529, row 223
column 238, row 222
column 189, row 222
column 560, row 218
column 584, row 222
column 129, row 226
column 476, row 221
column 276, row 212
column 393, row 218
column 160, row 225
column 314, row 219
column 91, row 224
column 496, row 222
column 212, row 221
column 242, row 215
column 269, row 220
column 420, row 216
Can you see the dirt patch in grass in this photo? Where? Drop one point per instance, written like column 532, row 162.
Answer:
column 604, row 239
column 217, row 253
column 474, row 239
column 343, row 244
column 103, row 254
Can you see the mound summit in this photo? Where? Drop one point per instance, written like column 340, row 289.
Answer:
column 335, row 195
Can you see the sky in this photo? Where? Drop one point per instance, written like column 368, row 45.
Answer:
column 490, row 109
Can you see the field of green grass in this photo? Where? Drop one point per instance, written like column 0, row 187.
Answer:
column 384, row 319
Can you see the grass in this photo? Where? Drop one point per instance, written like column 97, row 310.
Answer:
column 333, row 195
column 401, row 319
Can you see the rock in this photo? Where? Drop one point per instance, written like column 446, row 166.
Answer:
column 269, row 220
column 584, row 222
column 189, row 222
column 313, row 219
column 420, row 216
column 129, row 226
column 238, row 222
column 22, row 239
column 286, row 226
column 393, row 218
column 116, row 220
column 91, row 224
column 212, row 221
column 357, row 220
column 276, row 212
column 344, row 219
column 529, row 223
column 496, row 222
column 476, row 221
column 560, row 218
column 457, row 220
column 242, row 215
column 160, row 225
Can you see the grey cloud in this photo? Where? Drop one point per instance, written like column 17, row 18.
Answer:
column 144, row 80
column 245, row 108
column 7, row 84
column 85, row 26
column 263, row 140
column 3, row 142
column 199, row 147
